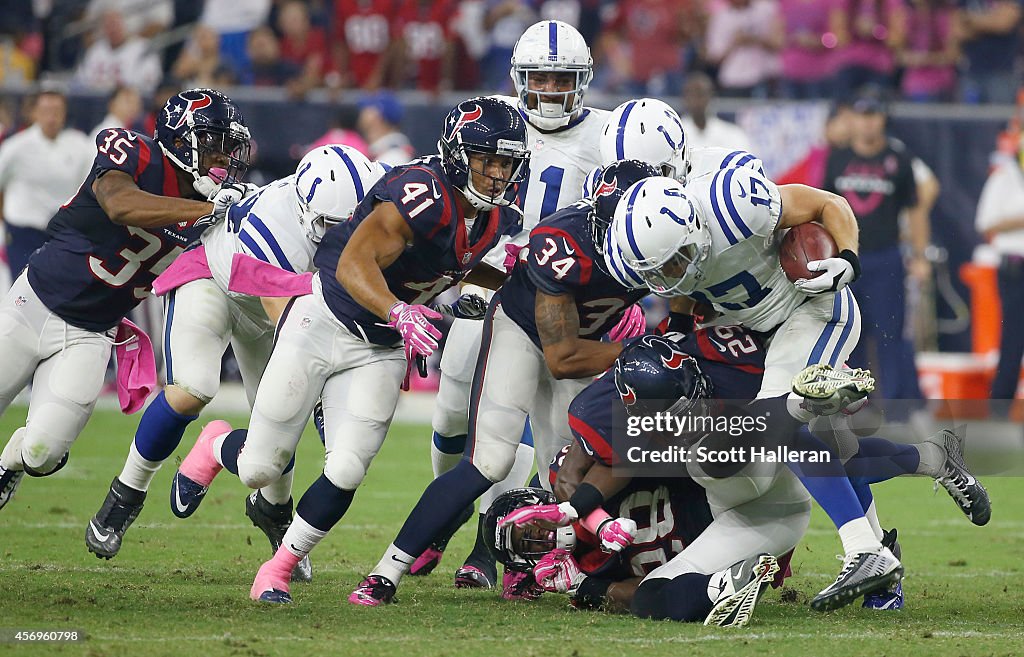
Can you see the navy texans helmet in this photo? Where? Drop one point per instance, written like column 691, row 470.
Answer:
column 610, row 186
column 201, row 128
column 484, row 126
column 520, row 548
column 653, row 375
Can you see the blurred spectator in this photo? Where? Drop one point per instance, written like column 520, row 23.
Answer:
column 41, row 167
column 379, row 117
column 16, row 66
column 142, row 18
column 362, row 36
column 199, row 59
column 808, row 55
column 168, row 87
column 302, row 44
column 424, row 54
column 267, row 68
column 870, row 32
column 742, row 41
column 811, row 169
column 567, row 11
column 124, row 109
column 470, row 43
column 1000, row 218
column 931, row 52
column 341, row 131
column 233, row 20
column 703, row 128
column 505, row 21
column 990, row 35
column 647, row 41
column 875, row 174
column 119, row 59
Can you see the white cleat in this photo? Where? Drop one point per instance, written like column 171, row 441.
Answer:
column 862, row 573
column 742, row 586
column 827, row 390
column 9, row 482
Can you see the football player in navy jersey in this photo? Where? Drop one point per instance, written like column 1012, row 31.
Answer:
column 422, row 228
column 143, row 202
column 541, row 344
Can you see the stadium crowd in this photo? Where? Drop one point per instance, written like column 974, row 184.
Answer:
column 922, row 50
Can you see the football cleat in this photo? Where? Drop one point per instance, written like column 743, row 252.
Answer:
column 966, row 491
column 893, row 598
column 827, row 390
column 274, row 520
column 862, row 573
column 426, row 562
column 742, row 586
column 472, row 577
column 374, row 591
column 270, row 585
column 106, row 529
column 9, row 482
column 517, row 585
column 196, row 472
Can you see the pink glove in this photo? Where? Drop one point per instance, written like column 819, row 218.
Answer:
column 418, row 334
column 632, row 324
column 511, row 256
column 559, row 515
column 614, row 533
column 558, row 572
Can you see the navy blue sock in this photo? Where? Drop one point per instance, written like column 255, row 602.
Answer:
column 863, row 491
column 160, row 430
column 232, row 445
column 827, row 482
column 527, row 438
column 880, row 460
column 682, row 598
column 323, row 504
column 443, row 500
column 450, row 444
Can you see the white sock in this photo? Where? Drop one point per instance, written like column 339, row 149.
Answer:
column 302, row 537
column 857, row 536
column 872, row 515
column 138, row 472
column 441, row 461
column 10, row 459
column 932, row 456
column 516, row 478
column 394, row 564
column 280, row 491
column 218, row 445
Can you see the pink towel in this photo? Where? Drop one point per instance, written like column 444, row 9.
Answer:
column 189, row 266
column 136, row 367
column 256, row 278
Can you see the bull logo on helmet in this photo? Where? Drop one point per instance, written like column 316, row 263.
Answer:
column 607, row 188
column 184, row 114
column 628, row 397
column 467, row 117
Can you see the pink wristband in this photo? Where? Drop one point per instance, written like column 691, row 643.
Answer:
column 593, row 521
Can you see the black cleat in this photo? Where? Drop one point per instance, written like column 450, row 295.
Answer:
column 274, row 520
column 105, row 532
column 9, row 482
column 862, row 573
column 374, row 591
column 968, row 493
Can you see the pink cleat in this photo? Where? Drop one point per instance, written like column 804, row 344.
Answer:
column 196, row 472
column 426, row 562
column 516, row 585
column 271, row 584
column 374, row 591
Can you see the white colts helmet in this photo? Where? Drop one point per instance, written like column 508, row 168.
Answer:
column 648, row 130
column 555, row 47
column 330, row 181
column 662, row 236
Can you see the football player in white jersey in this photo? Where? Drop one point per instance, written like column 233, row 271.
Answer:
column 280, row 225
column 714, row 242
column 551, row 69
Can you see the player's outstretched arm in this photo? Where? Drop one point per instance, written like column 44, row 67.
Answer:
column 375, row 244
column 126, row 204
column 567, row 355
column 802, row 204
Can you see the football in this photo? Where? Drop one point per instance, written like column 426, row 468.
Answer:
column 802, row 244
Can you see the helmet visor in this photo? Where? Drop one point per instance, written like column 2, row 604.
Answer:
column 493, row 172
column 677, row 275
column 229, row 149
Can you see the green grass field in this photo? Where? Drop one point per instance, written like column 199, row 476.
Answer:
column 180, row 587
